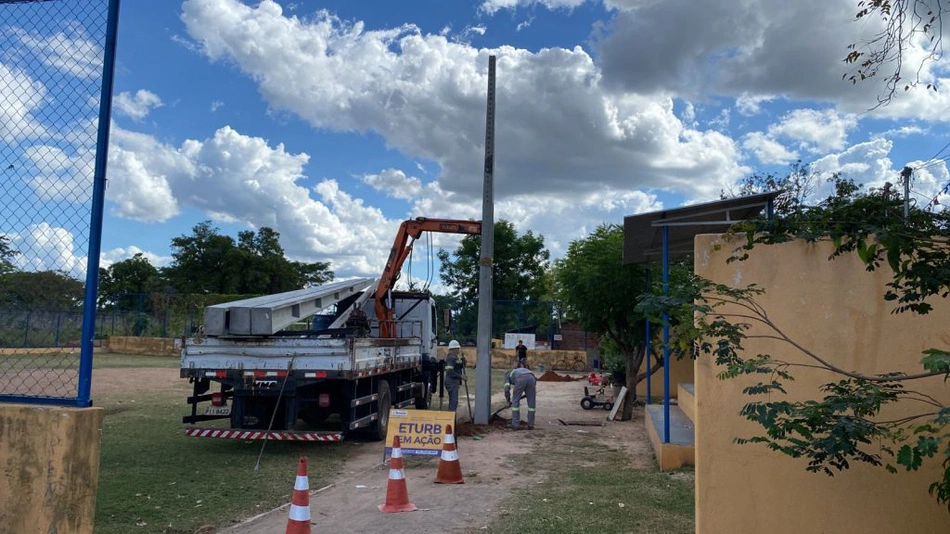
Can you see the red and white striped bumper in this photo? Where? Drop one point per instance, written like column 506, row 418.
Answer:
column 263, row 434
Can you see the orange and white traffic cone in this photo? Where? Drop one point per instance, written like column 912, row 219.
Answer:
column 299, row 520
column 450, row 471
column 397, row 496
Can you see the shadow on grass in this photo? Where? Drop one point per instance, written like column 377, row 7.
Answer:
column 154, row 479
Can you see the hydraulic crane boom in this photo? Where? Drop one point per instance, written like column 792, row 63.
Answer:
column 409, row 231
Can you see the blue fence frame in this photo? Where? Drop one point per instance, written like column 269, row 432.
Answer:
column 82, row 397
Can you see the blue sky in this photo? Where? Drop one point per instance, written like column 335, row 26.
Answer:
column 333, row 121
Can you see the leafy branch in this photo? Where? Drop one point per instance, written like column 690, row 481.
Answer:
column 906, row 23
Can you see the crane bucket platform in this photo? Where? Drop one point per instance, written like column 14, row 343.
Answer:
column 267, row 315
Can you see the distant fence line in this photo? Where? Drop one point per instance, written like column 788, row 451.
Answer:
column 181, row 314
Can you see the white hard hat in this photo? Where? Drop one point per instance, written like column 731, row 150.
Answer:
column 454, row 344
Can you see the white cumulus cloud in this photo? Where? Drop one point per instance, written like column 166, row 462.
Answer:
column 44, row 247
column 425, row 95
column 815, row 131
column 768, row 150
column 137, row 106
column 493, row 6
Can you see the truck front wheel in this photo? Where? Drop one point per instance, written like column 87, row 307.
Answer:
column 382, row 420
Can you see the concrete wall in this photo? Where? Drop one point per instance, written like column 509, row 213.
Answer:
column 49, row 468
column 836, row 309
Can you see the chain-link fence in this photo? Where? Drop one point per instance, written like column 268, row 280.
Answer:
column 533, row 317
column 56, row 66
column 508, row 316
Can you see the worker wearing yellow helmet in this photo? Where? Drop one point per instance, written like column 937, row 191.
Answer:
column 454, row 375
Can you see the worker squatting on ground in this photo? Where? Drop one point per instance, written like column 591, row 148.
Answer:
column 454, row 364
column 523, row 381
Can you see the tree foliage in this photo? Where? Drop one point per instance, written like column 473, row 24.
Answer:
column 207, row 261
column 132, row 276
column 43, row 290
column 520, row 273
column 906, row 23
column 796, row 187
column 844, row 425
column 594, row 287
column 7, row 253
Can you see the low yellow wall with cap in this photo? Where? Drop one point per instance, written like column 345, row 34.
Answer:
column 49, row 468
column 506, row 358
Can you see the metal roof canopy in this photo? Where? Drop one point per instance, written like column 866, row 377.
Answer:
column 643, row 233
column 670, row 234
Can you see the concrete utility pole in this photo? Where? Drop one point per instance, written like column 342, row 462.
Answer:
column 483, row 359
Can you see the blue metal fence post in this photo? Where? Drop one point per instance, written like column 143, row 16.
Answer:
column 666, row 337
column 98, row 203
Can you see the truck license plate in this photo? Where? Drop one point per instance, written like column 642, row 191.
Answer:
column 218, row 410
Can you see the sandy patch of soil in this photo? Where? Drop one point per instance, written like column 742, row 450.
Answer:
column 119, row 381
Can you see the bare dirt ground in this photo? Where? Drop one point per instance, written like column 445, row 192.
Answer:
column 350, row 503
column 116, row 381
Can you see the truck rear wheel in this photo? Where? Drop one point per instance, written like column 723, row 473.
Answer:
column 378, row 431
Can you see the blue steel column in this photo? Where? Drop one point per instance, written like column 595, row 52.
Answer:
column 648, row 352
column 666, row 337
column 98, row 203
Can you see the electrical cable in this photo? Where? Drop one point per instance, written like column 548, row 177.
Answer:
column 257, row 466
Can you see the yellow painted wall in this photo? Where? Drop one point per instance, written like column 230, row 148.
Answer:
column 505, row 358
column 835, row 309
column 49, row 468
column 164, row 346
column 681, row 372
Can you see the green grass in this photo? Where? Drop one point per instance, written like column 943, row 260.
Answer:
column 587, row 496
column 65, row 360
column 154, row 479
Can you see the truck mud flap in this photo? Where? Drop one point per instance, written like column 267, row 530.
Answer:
column 250, row 435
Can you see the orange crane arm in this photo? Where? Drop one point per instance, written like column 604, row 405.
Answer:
column 409, row 231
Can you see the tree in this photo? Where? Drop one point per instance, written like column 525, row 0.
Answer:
column 906, row 23
column 843, row 426
column 41, row 291
column 204, row 262
column 7, row 253
column 520, row 272
column 266, row 269
column 311, row 274
column 797, row 187
column 596, row 288
column 132, row 276
column 207, row 261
